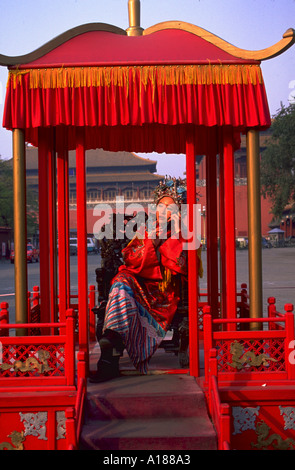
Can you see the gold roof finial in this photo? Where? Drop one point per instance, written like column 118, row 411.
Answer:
column 134, row 18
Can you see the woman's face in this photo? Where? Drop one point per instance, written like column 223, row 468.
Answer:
column 164, row 214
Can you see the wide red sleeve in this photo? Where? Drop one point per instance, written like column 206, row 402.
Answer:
column 173, row 256
column 140, row 258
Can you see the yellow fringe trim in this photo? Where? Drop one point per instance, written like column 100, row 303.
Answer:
column 76, row 77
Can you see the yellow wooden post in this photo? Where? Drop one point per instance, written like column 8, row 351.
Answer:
column 254, row 226
column 20, row 229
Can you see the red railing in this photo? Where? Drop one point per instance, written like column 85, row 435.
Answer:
column 46, row 363
column 91, row 304
column 271, row 346
column 226, row 366
column 272, row 312
column 4, row 318
column 44, row 360
column 242, row 305
column 79, row 408
column 34, row 312
column 40, row 361
column 219, row 412
column 74, row 415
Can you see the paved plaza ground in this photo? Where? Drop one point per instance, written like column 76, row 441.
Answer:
column 278, row 276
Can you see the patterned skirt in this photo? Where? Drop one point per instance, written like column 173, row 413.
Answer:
column 127, row 313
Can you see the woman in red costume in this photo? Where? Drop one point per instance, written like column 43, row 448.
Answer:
column 144, row 294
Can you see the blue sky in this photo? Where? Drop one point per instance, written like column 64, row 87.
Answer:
column 250, row 24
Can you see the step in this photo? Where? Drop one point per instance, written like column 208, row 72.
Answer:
column 152, row 412
column 195, row 433
column 165, row 395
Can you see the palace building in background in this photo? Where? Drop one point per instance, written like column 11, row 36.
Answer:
column 112, row 174
column 108, row 175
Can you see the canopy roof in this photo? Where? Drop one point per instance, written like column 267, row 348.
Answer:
column 104, row 48
column 133, row 93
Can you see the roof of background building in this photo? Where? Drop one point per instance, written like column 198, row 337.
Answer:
column 97, row 158
column 106, row 178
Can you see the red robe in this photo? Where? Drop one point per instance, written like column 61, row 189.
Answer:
column 155, row 283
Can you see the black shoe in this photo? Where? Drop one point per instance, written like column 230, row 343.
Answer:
column 114, row 339
column 106, row 370
column 111, row 347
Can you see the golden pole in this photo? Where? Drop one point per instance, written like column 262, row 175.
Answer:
column 20, row 229
column 134, row 18
column 254, row 226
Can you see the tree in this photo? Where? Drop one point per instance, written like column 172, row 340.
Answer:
column 278, row 161
column 6, row 194
column 6, row 200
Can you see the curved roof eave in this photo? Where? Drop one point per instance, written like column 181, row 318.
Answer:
column 58, row 41
column 278, row 48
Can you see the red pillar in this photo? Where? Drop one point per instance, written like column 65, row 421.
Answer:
column 43, row 150
column 52, row 230
column 193, row 284
column 67, row 219
column 229, row 224
column 63, row 235
column 82, row 242
column 222, row 237
column 211, row 227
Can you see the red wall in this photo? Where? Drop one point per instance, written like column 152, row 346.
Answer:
column 242, row 211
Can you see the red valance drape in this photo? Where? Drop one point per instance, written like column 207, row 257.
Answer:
column 137, row 108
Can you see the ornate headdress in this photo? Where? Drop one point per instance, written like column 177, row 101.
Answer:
column 171, row 187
